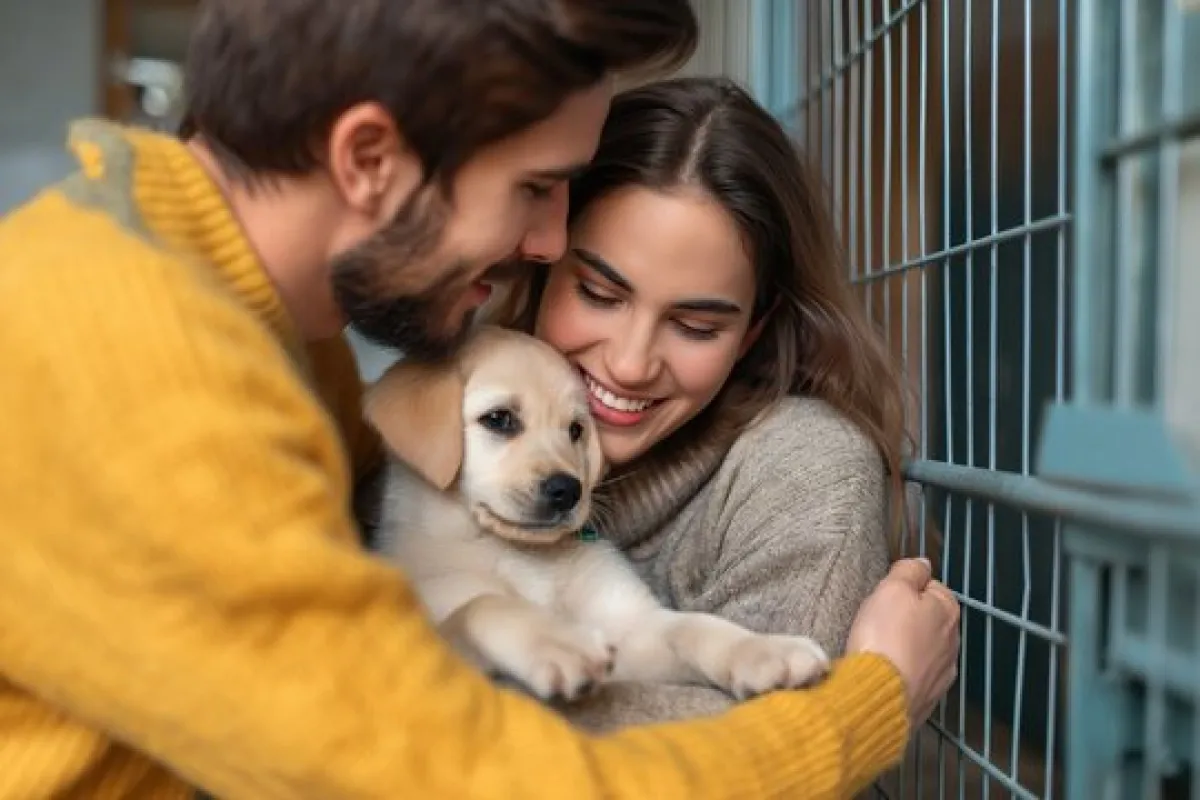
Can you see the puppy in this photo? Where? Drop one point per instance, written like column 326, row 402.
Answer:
column 494, row 457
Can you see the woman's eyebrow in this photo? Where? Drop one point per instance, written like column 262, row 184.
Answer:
column 606, row 270
column 707, row 305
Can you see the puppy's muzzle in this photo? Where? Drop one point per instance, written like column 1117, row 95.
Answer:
column 549, row 511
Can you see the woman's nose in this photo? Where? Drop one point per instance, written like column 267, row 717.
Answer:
column 633, row 361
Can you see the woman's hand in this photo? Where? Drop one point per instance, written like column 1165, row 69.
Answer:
column 912, row 621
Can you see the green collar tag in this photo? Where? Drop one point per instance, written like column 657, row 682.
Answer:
column 587, row 534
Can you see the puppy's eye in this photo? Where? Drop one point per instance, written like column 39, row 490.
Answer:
column 502, row 421
column 575, row 431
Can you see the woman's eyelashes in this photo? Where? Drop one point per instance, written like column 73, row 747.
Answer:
column 592, row 295
column 598, row 298
column 696, row 332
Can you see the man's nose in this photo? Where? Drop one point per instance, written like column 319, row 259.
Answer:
column 546, row 240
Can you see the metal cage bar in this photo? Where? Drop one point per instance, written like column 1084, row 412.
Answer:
column 950, row 242
column 1135, row 590
column 956, row 144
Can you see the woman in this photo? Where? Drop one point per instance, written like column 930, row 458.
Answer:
column 751, row 416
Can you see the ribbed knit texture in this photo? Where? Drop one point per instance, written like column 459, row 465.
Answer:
column 783, row 532
column 182, row 598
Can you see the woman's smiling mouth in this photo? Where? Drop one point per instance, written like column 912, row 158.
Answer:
column 613, row 409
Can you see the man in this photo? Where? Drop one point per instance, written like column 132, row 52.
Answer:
column 183, row 602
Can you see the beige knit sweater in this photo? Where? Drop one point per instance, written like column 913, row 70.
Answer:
column 783, row 534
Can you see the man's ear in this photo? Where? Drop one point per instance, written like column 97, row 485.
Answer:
column 417, row 409
column 370, row 161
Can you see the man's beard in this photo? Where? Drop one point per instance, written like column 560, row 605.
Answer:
column 370, row 280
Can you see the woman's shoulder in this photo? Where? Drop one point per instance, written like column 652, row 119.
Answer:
column 807, row 433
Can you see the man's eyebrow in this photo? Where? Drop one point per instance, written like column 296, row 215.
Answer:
column 569, row 172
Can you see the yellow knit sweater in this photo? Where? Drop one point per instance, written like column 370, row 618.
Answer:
column 182, row 599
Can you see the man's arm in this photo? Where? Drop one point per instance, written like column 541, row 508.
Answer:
column 180, row 572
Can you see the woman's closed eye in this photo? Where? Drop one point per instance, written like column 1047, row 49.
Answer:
column 599, row 298
column 695, row 331
column 594, row 295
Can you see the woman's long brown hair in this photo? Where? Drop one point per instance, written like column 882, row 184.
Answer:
column 707, row 133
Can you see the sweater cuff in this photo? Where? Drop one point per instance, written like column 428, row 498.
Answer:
column 874, row 708
column 864, row 735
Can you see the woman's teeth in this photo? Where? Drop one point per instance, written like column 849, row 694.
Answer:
column 613, row 401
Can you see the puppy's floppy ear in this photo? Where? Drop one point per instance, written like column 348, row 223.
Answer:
column 595, row 456
column 417, row 409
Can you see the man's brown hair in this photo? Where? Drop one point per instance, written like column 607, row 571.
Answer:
column 266, row 79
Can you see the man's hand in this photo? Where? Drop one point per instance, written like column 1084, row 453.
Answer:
column 912, row 621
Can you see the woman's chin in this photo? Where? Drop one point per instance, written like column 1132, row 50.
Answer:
column 624, row 445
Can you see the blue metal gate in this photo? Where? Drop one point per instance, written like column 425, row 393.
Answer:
column 1017, row 185
column 1135, row 556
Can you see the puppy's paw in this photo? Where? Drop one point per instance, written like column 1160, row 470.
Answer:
column 761, row 663
column 567, row 662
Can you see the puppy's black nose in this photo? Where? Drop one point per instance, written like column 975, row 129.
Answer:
column 561, row 492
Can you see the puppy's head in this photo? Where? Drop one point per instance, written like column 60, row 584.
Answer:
column 506, row 424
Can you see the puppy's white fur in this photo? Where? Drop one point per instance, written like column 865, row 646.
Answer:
column 500, row 571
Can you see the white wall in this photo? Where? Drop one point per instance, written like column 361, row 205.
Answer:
column 725, row 36
column 49, row 57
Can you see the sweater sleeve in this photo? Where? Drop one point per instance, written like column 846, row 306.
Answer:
column 803, row 527
column 180, row 573
column 791, row 542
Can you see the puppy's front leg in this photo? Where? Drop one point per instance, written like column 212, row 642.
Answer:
column 552, row 657
column 691, row 647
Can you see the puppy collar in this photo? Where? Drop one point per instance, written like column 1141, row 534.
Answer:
column 587, row 534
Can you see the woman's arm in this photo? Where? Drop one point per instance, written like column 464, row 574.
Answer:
column 791, row 538
column 803, row 526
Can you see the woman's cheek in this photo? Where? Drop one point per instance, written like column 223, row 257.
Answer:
column 562, row 321
column 705, row 370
